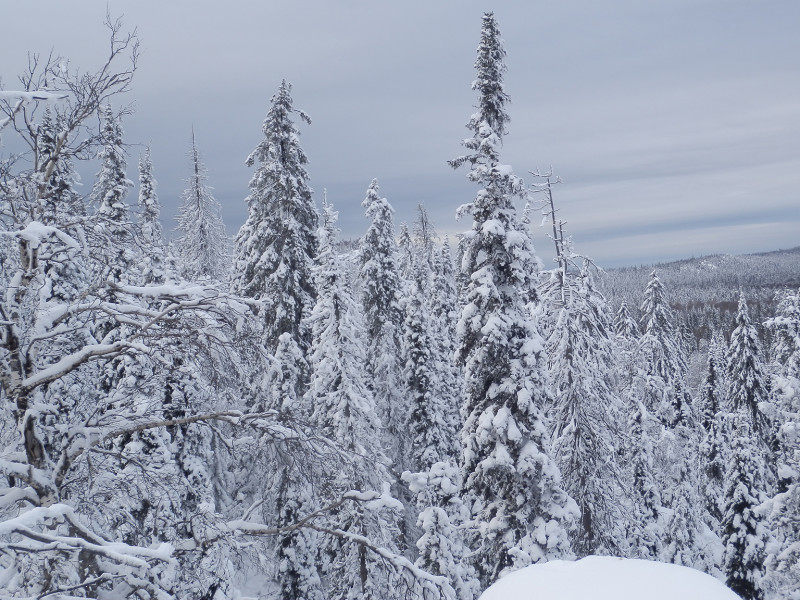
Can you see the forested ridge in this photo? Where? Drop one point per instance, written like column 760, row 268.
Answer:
column 283, row 415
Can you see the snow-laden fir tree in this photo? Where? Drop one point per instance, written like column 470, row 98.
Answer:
column 783, row 554
column 663, row 355
column 152, row 237
column 275, row 248
column 521, row 513
column 444, row 311
column 60, row 201
column 713, row 443
column 587, row 411
column 645, row 535
column 344, row 411
column 297, row 553
column 427, row 420
column 203, row 244
column 747, row 382
column 110, row 190
column 744, row 531
column 442, row 545
column 383, row 316
column 785, row 326
column 686, row 539
column 624, row 324
column 60, row 206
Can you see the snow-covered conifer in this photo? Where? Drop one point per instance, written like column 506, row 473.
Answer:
column 444, row 311
column 744, row 534
column 274, row 249
column 203, row 244
column 149, row 221
column 383, row 316
column 109, row 192
column 645, row 536
column 747, row 381
column 586, row 414
column 713, row 444
column 624, row 324
column 427, row 420
column 344, row 411
column 442, row 545
column 663, row 355
column 522, row 515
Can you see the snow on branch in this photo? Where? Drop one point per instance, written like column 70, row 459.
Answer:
column 431, row 586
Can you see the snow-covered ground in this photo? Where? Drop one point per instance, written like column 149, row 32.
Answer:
column 608, row 578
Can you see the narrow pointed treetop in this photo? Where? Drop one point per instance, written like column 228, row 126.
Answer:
column 203, row 245
column 149, row 206
column 275, row 247
column 490, row 68
column 624, row 324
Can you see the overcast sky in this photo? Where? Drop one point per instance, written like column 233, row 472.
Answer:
column 674, row 124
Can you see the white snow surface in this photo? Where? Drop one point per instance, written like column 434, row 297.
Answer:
column 607, row 578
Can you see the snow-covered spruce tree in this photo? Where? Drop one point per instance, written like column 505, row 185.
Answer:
column 586, row 412
column 747, row 382
column 624, row 324
column 521, row 514
column 645, row 534
column 274, row 249
column 686, row 539
column 114, row 228
column 297, row 552
column 61, row 206
column 444, row 310
column 203, row 244
column 427, row 419
column 60, row 203
column 344, row 411
column 713, row 444
column 783, row 559
column 152, row 237
column 785, row 326
column 663, row 355
column 744, row 532
column 383, row 316
column 442, row 545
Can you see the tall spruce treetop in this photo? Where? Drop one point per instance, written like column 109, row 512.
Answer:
column 203, row 245
column 522, row 514
column 274, row 249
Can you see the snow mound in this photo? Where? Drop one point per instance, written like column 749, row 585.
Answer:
column 607, row 578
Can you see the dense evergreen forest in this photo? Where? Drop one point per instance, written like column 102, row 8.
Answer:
column 287, row 416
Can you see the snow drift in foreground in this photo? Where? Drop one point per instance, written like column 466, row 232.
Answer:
column 608, row 578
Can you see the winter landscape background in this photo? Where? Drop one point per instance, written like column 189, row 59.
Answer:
column 412, row 410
